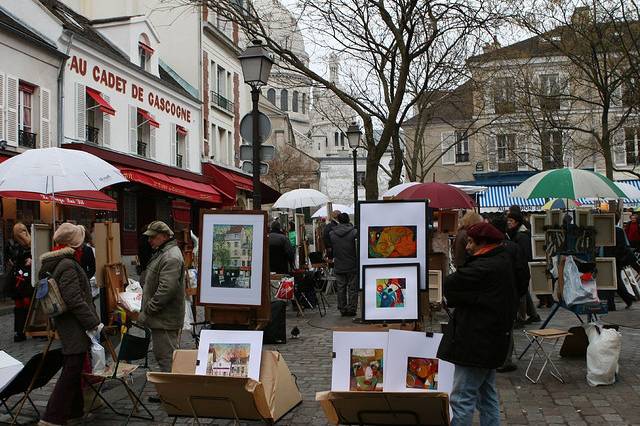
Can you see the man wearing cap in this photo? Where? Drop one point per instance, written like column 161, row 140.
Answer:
column 163, row 297
column 477, row 337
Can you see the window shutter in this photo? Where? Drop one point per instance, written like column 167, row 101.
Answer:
column 565, row 90
column 45, row 118
column 492, row 153
column 152, row 142
column 619, row 149
column 2, row 106
column 12, row 110
column 449, row 153
column 535, row 153
column 567, row 150
column 521, row 152
column 187, row 151
column 489, row 107
column 106, row 125
column 616, row 96
column 133, row 129
column 173, row 141
column 81, row 112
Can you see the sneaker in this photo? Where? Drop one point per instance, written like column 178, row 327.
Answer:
column 535, row 318
column 507, row 368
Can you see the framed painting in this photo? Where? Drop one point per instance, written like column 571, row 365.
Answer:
column 554, row 218
column 605, row 226
column 447, row 222
column 415, row 366
column 392, row 232
column 538, row 222
column 391, row 292
column 540, row 283
column 538, row 247
column 230, row 354
column 359, row 361
column 606, row 276
column 583, row 217
column 435, row 286
column 233, row 260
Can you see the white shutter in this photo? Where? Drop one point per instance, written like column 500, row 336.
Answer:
column 81, row 112
column 133, row 129
column 565, row 90
column 521, row 153
column 12, row 110
column 535, row 153
column 45, row 118
column 616, row 96
column 2, row 122
column 106, row 125
column 447, row 142
column 489, row 107
column 187, row 151
column 492, row 154
column 172, row 143
column 152, row 142
column 619, row 149
column 568, row 150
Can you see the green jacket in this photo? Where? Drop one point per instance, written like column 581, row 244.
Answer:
column 163, row 289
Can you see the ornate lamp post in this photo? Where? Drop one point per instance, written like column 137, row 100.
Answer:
column 353, row 135
column 256, row 62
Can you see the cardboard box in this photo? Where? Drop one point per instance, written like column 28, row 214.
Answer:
column 9, row 368
column 385, row 408
column 183, row 392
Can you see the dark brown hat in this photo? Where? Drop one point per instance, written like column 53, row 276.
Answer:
column 485, row 232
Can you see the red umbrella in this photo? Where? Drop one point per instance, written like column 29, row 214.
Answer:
column 440, row 195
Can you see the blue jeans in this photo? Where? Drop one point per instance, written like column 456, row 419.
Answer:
column 474, row 387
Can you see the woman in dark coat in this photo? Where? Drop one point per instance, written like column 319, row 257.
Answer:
column 477, row 337
column 21, row 290
column 66, row 401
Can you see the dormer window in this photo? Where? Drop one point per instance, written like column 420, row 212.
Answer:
column 144, row 51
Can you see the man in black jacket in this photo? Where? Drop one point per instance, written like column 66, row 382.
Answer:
column 327, row 233
column 343, row 241
column 476, row 339
column 519, row 234
column 281, row 254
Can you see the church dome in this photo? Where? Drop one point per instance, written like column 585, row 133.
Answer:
column 282, row 26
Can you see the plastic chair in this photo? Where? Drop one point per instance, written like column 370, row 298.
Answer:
column 20, row 384
column 132, row 348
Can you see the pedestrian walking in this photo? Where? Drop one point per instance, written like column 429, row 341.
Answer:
column 343, row 241
column 327, row 231
column 632, row 231
column 624, row 257
column 19, row 262
column 460, row 243
column 477, row 337
column 66, row 402
column 163, row 293
column 281, row 254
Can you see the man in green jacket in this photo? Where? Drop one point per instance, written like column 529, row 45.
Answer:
column 163, row 297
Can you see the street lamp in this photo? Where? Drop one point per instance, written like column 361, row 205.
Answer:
column 256, row 62
column 353, row 135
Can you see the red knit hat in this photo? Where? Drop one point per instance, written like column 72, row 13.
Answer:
column 485, row 232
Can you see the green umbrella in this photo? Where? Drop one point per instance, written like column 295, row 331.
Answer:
column 568, row 183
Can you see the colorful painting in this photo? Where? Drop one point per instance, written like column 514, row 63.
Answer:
column 366, row 370
column 392, row 242
column 390, row 292
column 228, row 359
column 422, row 373
column 232, row 255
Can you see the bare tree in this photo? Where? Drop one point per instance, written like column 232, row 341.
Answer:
column 380, row 43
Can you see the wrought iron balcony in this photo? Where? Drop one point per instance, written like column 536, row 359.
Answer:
column 92, row 134
column 142, row 149
column 222, row 102
column 179, row 160
column 26, row 139
column 462, row 157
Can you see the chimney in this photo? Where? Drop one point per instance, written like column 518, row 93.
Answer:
column 581, row 16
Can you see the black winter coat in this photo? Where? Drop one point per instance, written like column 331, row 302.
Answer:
column 343, row 241
column 482, row 294
column 281, row 254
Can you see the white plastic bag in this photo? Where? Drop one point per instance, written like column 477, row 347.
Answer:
column 133, row 287
column 574, row 292
column 98, row 359
column 131, row 301
column 188, row 316
column 603, row 353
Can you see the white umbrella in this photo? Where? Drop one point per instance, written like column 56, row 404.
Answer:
column 299, row 198
column 51, row 170
column 322, row 211
column 392, row 192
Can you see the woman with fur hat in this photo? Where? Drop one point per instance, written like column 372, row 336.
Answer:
column 66, row 401
column 21, row 291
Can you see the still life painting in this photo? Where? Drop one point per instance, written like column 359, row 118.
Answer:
column 422, row 373
column 392, row 241
column 390, row 292
column 366, row 369
column 232, row 254
column 228, row 359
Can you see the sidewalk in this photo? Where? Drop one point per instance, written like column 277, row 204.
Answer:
column 522, row 403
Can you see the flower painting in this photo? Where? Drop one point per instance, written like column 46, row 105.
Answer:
column 392, row 242
column 232, row 254
column 422, row 373
column 390, row 292
column 366, row 370
column 228, row 359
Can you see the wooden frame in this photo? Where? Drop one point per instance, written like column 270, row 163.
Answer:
column 435, row 286
column 605, row 226
column 554, row 218
column 248, row 313
column 538, row 248
column 538, row 222
column 447, row 221
column 607, row 276
column 583, row 217
column 410, row 309
column 540, row 283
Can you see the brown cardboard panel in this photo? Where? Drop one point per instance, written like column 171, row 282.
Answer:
column 605, row 225
column 539, row 282
column 607, row 276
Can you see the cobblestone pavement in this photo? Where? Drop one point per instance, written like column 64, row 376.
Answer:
column 309, row 358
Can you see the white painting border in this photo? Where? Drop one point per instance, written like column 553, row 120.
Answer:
column 410, row 311
column 343, row 342
column 253, row 338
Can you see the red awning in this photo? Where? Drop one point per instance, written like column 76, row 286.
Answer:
column 103, row 104
column 229, row 181
column 95, row 200
column 175, row 185
column 148, row 117
column 146, row 48
column 181, row 130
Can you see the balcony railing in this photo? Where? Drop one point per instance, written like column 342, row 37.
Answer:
column 222, row 102
column 179, row 160
column 142, row 149
column 26, row 139
column 92, row 134
column 462, row 157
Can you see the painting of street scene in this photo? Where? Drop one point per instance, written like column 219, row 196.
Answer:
column 366, row 370
column 228, row 359
column 232, row 254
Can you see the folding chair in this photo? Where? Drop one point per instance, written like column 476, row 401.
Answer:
column 537, row 338
column 20, row 384
column 132, row 348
